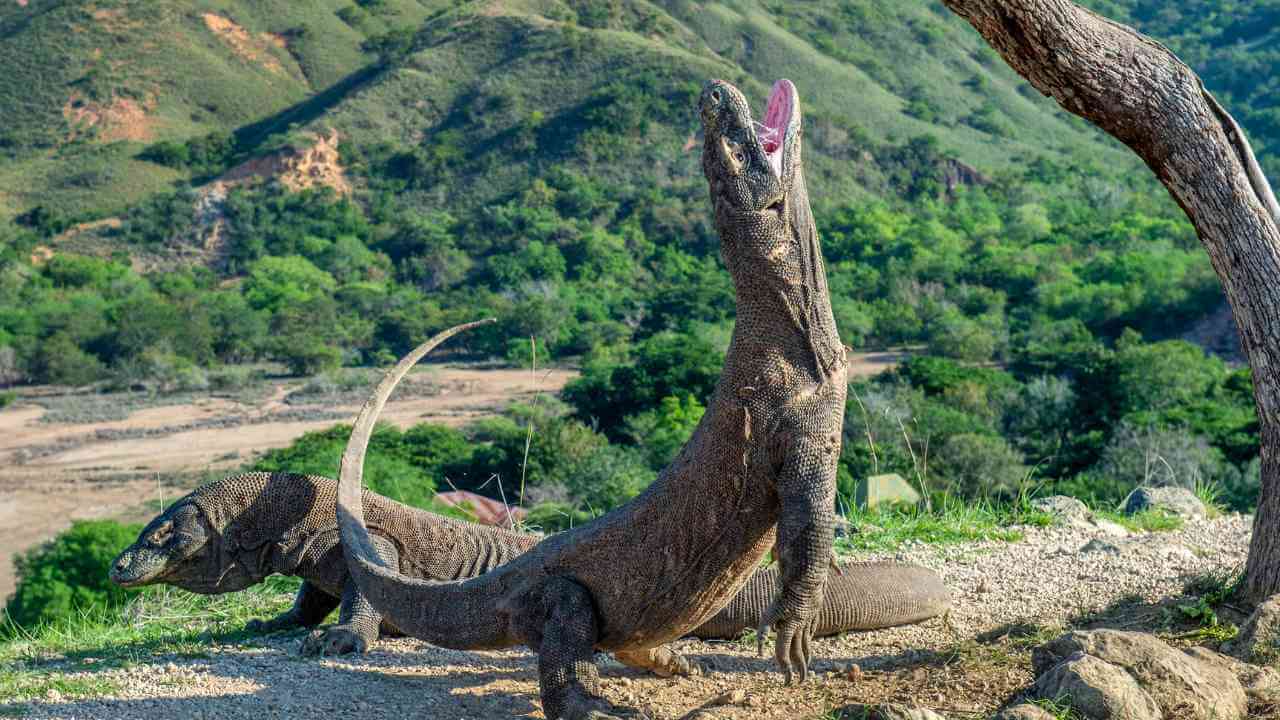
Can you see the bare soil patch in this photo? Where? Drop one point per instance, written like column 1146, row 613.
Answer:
column 248, row 47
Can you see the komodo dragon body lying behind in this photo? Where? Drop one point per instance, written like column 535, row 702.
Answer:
column 236, row 531
column 757, row 474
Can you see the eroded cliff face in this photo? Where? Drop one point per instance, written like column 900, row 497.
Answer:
column 298, row 168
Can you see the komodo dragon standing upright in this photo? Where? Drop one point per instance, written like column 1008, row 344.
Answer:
column 757, row 474
column 234, row 532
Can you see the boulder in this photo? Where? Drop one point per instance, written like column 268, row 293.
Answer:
column 1259, row 638
column 1178, row 501
column 1182, row 685
column 1097, row 690
column 1065, row 510
column 1261, row 684
column 1025, row 711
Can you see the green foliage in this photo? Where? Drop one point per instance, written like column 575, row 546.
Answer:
column 403, row 466
column 662, row 431
column 665, row 365
column 1208, row 592
column 68, row 575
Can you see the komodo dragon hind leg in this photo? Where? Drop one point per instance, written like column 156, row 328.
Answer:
column 566, row 670
column 661, row 661
column 358, row 622
column 310, row 607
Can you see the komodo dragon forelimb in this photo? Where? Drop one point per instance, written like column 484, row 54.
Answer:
column 758, row 471
column 184, row 547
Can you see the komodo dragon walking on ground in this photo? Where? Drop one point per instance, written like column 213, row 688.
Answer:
column 234, row 532
column 757, row 474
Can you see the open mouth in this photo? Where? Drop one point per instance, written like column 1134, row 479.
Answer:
column 777, row 120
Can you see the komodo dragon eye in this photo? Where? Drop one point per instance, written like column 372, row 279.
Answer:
column 161, row 534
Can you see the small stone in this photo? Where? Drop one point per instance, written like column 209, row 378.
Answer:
column 737, row 696
column 1098, row 545
column 853, row 672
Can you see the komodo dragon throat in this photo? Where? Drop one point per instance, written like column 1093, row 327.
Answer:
column 758, row 472
column 238, row 530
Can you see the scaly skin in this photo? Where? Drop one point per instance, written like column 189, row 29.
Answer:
column 758, row 472
column 233, row 533
column 191, row 550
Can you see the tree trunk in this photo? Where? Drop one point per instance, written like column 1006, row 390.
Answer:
column 1142, row 94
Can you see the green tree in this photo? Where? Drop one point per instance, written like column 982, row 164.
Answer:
column 279, row 282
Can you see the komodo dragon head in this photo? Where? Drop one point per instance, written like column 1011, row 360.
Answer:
column 751, row 167
column 767, row 235
column 178, row 548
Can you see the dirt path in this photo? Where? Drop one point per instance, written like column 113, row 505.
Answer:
column 1051, row 578
column 96, row 478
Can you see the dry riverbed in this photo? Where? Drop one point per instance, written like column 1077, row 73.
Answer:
column 1008, row 596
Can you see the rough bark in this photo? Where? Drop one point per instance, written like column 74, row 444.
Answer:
column 1142, row 94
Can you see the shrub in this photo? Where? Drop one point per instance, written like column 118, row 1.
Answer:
column 667, row 364
column 663, row 431
column 1158, row 457
column 61, row 361
column 608, row 477
column 69, row 574
column 978, row 465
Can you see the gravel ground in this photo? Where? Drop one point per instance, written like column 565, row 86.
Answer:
column 1054, row 577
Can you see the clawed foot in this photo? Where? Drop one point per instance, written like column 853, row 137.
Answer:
column 793, row 646
column 335, row 640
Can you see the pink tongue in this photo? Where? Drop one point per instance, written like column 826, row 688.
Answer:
column 776, row 115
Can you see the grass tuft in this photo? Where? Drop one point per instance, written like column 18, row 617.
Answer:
column 948, row 523
column 160, row 621
column 1154, row 520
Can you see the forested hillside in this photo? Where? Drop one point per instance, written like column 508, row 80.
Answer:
column 187, row 187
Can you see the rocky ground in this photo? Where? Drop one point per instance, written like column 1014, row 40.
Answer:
column 1008, row 597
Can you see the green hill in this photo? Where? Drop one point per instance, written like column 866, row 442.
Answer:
column 604, row 86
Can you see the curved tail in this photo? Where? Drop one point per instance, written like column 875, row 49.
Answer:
column 864, row 596
column 452, row 614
